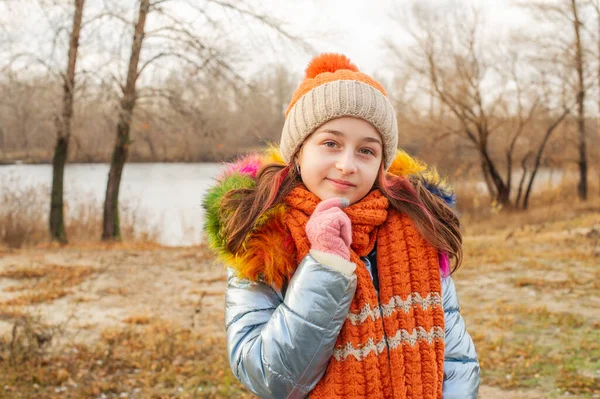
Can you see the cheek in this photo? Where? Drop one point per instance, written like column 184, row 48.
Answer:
column 372, row 170
column 371, row 178
column 317, row 159
column 312, row 171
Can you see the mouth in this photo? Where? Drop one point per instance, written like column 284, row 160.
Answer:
column 341, row 183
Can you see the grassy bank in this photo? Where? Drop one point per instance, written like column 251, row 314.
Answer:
column 24, row 218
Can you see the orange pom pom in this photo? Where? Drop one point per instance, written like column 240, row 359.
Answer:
column 328, row 62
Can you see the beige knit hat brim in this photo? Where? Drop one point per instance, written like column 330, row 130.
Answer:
column 336, row 99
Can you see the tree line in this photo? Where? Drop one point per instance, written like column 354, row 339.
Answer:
column 466, row 97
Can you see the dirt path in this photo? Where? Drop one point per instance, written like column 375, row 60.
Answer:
column 174, row 285
column 184, row 287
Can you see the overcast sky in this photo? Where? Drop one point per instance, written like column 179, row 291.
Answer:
column 354, row 27
column 358, row 27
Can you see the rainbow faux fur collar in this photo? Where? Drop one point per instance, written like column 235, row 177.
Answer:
column 266, row 251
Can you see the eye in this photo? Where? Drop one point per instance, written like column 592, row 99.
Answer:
column 330, row 144
column 367, row 151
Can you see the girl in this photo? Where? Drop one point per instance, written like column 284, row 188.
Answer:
column 339, row 281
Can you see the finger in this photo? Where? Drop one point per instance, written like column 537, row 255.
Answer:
column 346, row 230
column 336, row 202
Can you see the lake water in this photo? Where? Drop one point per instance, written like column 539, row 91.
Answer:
column 168, row 195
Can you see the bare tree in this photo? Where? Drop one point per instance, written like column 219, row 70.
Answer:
column 178, row 41
column 448, row 56
column 497, row 101
column 582, row 187
column 538, row 160
column 63, row 130
column 36, row 61
column 551, row 120
column 524, row 115
column 596, row 5
column 568, row 17
column 110, row 221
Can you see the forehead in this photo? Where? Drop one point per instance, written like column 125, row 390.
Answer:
column 349, row 128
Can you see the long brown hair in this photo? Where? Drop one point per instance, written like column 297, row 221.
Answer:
column 434, row 219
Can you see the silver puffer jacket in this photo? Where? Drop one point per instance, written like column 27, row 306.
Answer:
column 280, row 342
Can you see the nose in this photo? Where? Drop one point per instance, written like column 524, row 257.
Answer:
column 346, row 163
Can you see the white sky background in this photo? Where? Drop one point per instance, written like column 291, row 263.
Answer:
column 354, row 27
column 358, row 27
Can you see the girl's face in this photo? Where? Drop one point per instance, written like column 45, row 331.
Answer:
column 341, row 159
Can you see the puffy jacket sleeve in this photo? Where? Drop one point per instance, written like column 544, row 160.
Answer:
column 461, row 367
column 279, row 347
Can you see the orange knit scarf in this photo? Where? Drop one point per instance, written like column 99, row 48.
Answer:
column 391, row 347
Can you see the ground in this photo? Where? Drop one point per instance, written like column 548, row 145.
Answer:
column 146, row 321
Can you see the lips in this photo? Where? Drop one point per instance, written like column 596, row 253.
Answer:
column 341, row 183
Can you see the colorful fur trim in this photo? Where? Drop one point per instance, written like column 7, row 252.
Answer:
column 265, row 253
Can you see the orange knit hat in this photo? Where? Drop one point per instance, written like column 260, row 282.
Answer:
column 334, row 87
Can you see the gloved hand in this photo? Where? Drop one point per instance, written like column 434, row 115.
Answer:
column 329, row 229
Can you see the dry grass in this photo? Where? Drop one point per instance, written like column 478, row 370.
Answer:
column 558, row 203
column 45, row 283
column 528, row 291
column 35, row 298
column 25, row 273
column 91, row 244
column 24, row 218
column 120, row 291
column 534, row 347
column 202, row 255
column 138, row 320
column 48, row 276
column 157, row 360
column 10, row 313
column 211, row 280
column 203, row 293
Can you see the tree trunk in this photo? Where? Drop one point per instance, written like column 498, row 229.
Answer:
column 488, row 181
column 1, row 140
column 110, row 222
column 582, row 186
column 509, row 162
column 538, row 157
column 501, row 191
column 148, row 139
column 522, row 181
column 56, row 219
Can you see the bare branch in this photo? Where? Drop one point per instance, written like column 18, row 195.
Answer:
column 265, row 20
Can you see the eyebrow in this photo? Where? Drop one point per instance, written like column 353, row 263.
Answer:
column 338, row 133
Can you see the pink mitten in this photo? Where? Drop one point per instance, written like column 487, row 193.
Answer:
column 329, row 229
